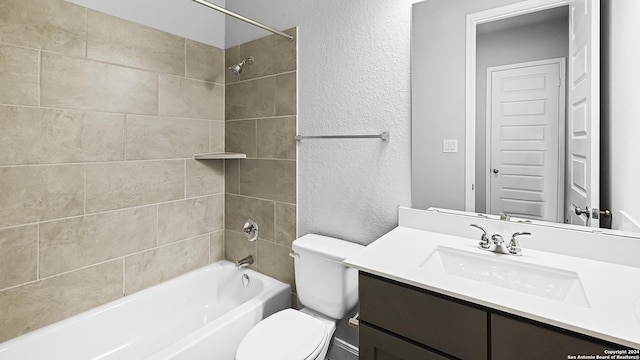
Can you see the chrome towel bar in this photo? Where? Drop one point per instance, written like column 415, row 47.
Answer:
column 385, row 136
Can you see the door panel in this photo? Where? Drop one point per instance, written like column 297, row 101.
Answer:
column 583, row 146
column 524, row 119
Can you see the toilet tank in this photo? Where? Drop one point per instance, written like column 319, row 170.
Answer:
column 323, row 284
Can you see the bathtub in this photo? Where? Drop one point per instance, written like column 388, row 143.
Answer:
column 200, row 315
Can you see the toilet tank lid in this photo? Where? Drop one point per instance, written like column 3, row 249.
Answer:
column 326, row 247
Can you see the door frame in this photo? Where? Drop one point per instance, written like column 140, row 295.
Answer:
column 562, row 123
column 472, row 21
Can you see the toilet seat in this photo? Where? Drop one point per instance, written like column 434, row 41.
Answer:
column 286, row 335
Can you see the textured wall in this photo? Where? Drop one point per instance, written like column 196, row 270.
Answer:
column 261, row 122
column 621, row 109
column 353, row 77
column 179, row 17
column 99, row 198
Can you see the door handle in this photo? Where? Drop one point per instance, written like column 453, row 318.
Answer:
column 580, row 211
column 495, row 171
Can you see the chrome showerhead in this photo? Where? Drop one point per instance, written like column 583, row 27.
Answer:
column 237, row 68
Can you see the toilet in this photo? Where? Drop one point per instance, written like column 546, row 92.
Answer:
column 328, row 291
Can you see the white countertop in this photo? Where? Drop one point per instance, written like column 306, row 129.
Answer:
column 612, row 290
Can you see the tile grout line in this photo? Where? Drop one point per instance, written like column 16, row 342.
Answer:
column 126, row 133
column 104, row 212
column 38, row 252
column 61, row 108
column 39, row 79
column 85, row 190
column 86, row 33
column 157, row 225
column 124, row 277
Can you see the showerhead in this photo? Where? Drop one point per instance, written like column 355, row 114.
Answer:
column 237, row 68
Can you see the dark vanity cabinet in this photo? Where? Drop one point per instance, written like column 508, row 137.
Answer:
column 402, row 322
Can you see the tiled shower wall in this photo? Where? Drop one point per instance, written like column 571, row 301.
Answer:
column 99, row 197
column 261, row 122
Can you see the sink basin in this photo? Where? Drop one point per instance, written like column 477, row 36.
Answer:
column 498, row 270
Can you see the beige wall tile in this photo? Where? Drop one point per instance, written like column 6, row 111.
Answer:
column 216, row 136
column 190, row 98
column 41, row 136
column 19, row 75
column 232, row 176
column 28, row 307
column 269, row 179
column 274, row 260
column 35, row 193
column 205, row 62
column 155, row 266
column 52, row 25
column 251, row 99
column 188, row 218
column 231, row 57
column 18, row 255
column 240, row 136
column 236, row 247
column 152, row 137
column 239, row 208
column 286, row 94
column 277, row 138
column 126, row 184
column 216, row 246
column 205, row 177
column 77, row 242
column 273, row 54
column 83, row 84
column 123, row 42
column 285, row 224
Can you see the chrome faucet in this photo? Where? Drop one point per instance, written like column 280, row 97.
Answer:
column 244, row 262
column 497, row 243
column 484, row 239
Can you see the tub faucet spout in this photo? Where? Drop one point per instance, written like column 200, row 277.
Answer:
column 244, row 262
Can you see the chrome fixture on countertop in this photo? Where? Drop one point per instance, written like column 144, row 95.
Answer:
column 497, row 243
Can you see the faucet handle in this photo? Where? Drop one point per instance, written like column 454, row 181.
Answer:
column 484, row 239
column 514, row 245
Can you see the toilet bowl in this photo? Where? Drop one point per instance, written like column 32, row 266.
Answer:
column 288, row 334
column 327, row 288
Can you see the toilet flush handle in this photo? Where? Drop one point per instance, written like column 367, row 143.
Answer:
column 294, row 255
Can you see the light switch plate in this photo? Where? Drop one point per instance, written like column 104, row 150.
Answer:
column 450, row 145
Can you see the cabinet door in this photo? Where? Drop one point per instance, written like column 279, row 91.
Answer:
column 441, row 324
column 377, row 345
column 515, row 339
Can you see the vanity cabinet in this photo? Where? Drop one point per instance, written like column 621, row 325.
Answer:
column 517, row 339
column 399, row 321
column 441, row 325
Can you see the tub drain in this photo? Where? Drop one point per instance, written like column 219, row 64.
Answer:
column 245, row 280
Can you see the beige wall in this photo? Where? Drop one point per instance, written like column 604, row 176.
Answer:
column 261, row 122
column 99, row 197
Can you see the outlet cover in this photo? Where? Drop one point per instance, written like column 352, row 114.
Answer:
column 450, row 145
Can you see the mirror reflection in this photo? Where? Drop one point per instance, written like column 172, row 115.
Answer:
column 537, row 148
column 520, row 115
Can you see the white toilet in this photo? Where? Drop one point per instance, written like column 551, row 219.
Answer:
column 326, row 288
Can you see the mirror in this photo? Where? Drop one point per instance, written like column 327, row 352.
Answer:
column 455, row 164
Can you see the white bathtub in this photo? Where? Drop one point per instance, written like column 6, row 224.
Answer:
column 200, row 315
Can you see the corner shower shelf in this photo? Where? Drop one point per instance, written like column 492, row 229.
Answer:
column 219, row 156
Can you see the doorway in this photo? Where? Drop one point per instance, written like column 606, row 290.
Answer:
column 525, row 139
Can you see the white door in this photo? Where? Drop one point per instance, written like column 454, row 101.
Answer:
column 525, row 125
column 583, row 148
